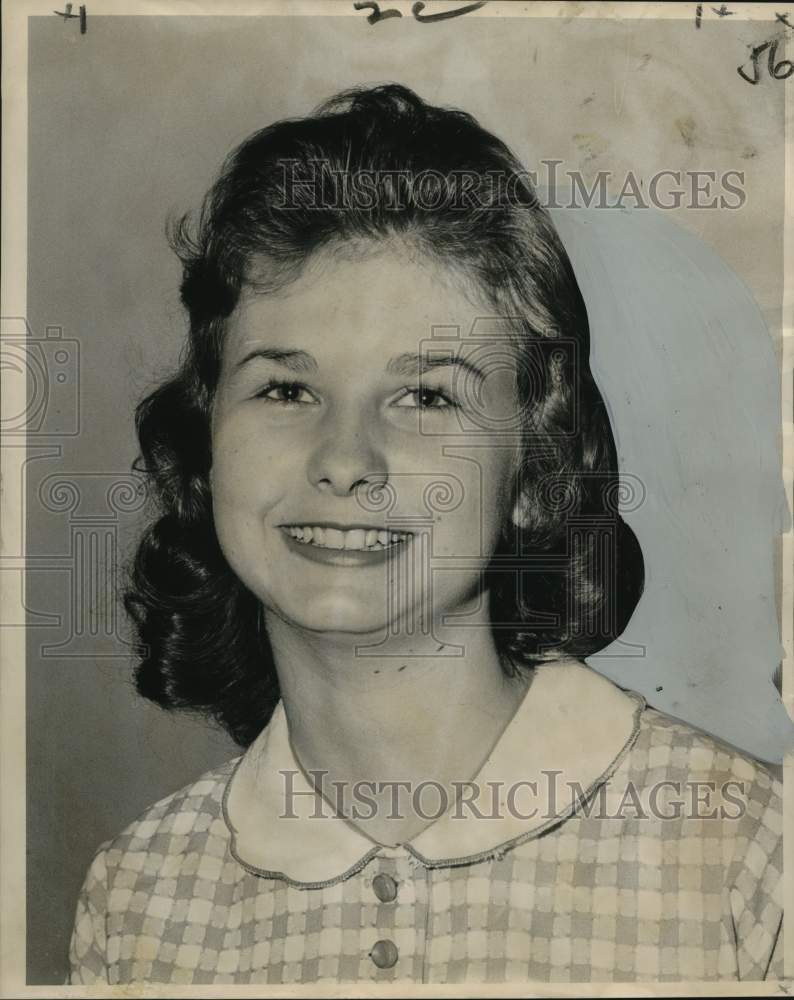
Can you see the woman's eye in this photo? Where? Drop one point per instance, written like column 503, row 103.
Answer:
column 286, row 393
column 426, row 398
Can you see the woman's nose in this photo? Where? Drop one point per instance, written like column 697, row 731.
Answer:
column 345, row 458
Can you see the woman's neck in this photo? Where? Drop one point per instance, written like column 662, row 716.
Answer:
column 411, row 710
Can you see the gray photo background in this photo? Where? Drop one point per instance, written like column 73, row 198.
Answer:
column 131, row 121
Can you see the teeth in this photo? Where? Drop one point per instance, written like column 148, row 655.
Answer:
column 334, row 539
column 357, row 539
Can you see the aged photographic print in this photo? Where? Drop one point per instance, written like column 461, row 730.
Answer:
column 396, row 453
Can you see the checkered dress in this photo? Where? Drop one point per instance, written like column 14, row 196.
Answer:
column 592, row 897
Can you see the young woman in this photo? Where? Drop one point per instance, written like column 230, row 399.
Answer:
column 387, row 537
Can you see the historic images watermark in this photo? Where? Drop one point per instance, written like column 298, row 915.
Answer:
column 544, row 798
column 324, row 187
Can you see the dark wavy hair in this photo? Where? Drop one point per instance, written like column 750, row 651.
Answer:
column 566, row 581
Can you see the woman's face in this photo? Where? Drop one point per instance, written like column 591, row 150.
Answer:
column 362, row 467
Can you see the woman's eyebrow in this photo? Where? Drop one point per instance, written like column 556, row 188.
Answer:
column 411, row 365
column 295, row 361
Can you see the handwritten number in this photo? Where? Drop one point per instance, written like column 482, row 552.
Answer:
column 418, row 7
column 777, row 70
column 67, row 15
column 756, row 52
column 416, row 10
column 377, row 14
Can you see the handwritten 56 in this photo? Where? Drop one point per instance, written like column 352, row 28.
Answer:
column 778, row 70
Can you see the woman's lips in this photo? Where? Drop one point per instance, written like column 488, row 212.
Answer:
column 353, row 556
column 354, row 537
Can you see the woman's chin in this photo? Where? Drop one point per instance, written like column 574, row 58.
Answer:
column 337, row 614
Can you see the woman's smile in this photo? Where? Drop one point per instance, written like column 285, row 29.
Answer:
column 354, row 537
column 344, row 545
column 351, row 547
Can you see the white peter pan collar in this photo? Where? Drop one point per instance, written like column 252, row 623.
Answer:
column 573, row 726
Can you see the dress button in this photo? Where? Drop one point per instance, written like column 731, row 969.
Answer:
column 384, row 954
column 385, row 888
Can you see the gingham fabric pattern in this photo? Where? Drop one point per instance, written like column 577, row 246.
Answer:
column 599, row 897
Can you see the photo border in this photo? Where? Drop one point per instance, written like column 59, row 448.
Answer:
column 12, row 639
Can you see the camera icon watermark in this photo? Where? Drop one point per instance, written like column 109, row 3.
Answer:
column 41, row 381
